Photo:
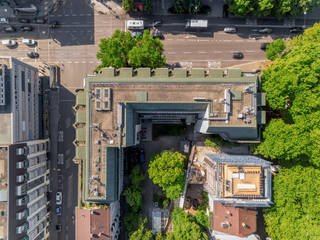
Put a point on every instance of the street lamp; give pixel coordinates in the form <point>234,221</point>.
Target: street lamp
<point>304,18</point>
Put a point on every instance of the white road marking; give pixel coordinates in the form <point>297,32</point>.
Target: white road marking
<point>202,52</point>
<point>187,52</point>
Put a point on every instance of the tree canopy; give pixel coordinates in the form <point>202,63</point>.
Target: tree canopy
<point>142,233</point>
<point>123,50</point>
<point>278,8</point>
<point>275,48</point>
<point>296,212</point>
<point>185,227</point>
<point>167,170</point>
<point>293,90</point>
<point>128,5</point>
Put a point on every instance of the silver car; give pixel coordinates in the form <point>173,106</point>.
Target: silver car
<point>265,30</point>
<point>9,43</point>
<point>230,29</point>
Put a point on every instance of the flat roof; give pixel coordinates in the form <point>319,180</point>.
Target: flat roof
<point>5,128</point>
<point>114,99</point>
<point>4,191</point>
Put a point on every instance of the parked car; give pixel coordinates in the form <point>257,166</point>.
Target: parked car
<point>264,45</point>
<point>237,55</point>
<point>33,54</point>
<point>230,29</point>
<point>58,227</point>
<point>29,42</point>
<point>195,204</point>
<point>26,28</point>
<point>265,30</point>
<point>142,158</point>
<point>156,23</point>
<point>59,198</point>
<point>157,34</point>
<point>24,20</point>
<point>188,203</point>
<point>296,29</point>
<point>54,24</point>
<point>39,20</point>
<point>59,210</point>
<point>4,20</point>
<point>59,181</point>
<point>60,159</point>
<point>9,29</point>
<point>135,34</point>
<point>9,43</point>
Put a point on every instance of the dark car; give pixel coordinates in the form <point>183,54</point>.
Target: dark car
<point>58,227</point>
<point>195,204</point>
<point>237,55</point>
<point>59,210</point>
<point>59,181</point>
<point>54,24</point>
<point>39,20</point>
<point>157,34</point>
<point>188,203</point>
<point>26,28</point>
<point>264,45</point>
<point>296,30</point>
<point>142,158</point>
<point>9,29</point>
<point>24,20</point>
<point>33,54</point>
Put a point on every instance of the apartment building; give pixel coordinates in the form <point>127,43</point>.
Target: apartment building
<point>24,166</point>
<point>117,108</point>
<point>19,101</point>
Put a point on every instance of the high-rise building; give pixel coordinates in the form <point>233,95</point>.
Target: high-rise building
<point>19,101</point>
<point>24,167</point>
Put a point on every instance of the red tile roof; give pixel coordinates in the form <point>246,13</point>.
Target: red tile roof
<point>236,221</point>
<point>92,224</point>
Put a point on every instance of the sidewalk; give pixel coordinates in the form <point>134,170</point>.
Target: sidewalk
<point>108,7</point>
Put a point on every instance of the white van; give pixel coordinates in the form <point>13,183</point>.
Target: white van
<point>9,43</point>
<point>135,24</point>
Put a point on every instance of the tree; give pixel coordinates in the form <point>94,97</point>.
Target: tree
<point>128,5</point>
<point>147,52</point>
<point>185,227</point>
<point>136,177</point>
<point>296,212</point>
<point>142,233</point>
<point>241,7</point>
<point>167,170</point>
<point>194,6</point>
<point>113,52</point>
<point>132,221</point>
<point>122,50</point>
<point>133,198</point>
<point>180,6</point>
<point>275,48</point>
<point>147,6</point>
<point>202,219</point>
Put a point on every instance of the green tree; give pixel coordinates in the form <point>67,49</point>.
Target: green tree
<point>180,6</point>
<point>136,177</point>
<point>147,6</point>
<point>185,227</point>
<point>202,218</point>
<point>132,221</point>
<point>194,6</point>
<point>142,233</point>
<point>167,170</point>
<point>147,52</point>
<point>133,198</point>
<point>128,5</point>
<point>296,212</point>
<point>275,48</point>
<point>241,7</point>
<point>113,52</point>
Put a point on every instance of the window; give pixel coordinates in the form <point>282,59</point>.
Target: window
<point>98,105</point>
<point>106,104</point>
<point>98,92</point>
<point>106,92</point>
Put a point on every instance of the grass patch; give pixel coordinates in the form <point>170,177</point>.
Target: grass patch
<point>218,142</point>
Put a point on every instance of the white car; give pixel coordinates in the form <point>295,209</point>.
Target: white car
<point>265,30</point>
<point>9,43</point>
<point>59,198</point>
<point>230,29</point>
<point>29,42</point>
